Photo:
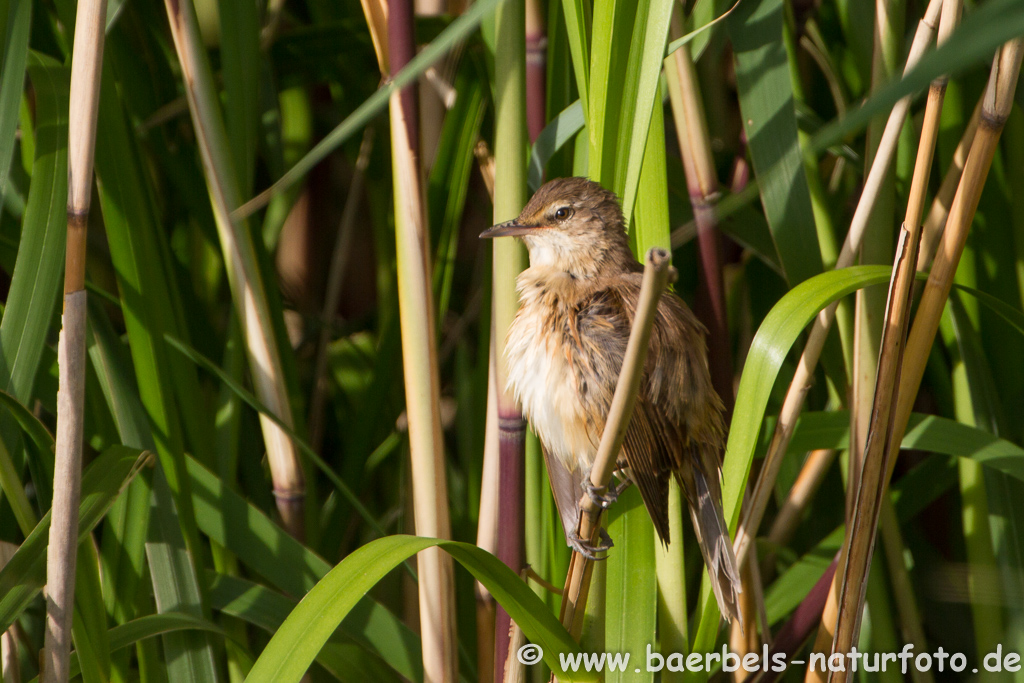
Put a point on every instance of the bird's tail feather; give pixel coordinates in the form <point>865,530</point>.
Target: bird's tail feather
<point>713,536</point>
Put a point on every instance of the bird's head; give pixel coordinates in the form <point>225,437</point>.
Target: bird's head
<point>573,225</point>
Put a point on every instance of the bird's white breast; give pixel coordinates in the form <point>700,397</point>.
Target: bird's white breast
<point>542,380</point>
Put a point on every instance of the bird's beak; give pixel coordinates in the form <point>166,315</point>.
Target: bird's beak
<point>510,228</point>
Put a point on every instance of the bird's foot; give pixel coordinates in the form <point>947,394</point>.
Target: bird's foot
<point>604,497</point>
<point>587,549</point>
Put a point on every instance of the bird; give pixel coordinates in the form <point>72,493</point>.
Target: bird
<point>564,350</point>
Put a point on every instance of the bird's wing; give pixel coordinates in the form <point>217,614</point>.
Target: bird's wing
<point>605,321</point>
<point>647,453</point>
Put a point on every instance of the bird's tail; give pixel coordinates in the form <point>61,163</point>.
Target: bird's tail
<point>705,501</point>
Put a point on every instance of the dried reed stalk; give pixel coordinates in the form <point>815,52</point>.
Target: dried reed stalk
<point>807,482</point>
<point>801,382</point>
<point>876,247</point>
<point>62,551</point>
<point>900,374</point>
<point>419,358</point>
<point>935,223</point>
<point>657,276</point>
<point>244,277</point>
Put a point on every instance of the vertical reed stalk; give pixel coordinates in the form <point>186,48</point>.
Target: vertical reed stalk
<point>510,145</point>
<point>879,435</point>
<point>419,358</point>
<point>244,276</point>
<point>935,223</point>
<point>86,66</point>
<point>894,399</point>
<point>801,382</point>
<point>877,247</point>
<point>536,69</point>
<point>702,184</point>
<point>487,522</point>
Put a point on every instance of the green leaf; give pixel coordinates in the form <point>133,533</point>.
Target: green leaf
<point>267,609</point>
<point>631,586</point>
<point>297,642</point>
<point>12,81</point>
<point>769,119</point>
<point>577,24</point>
<point>555,135</point>
<point>189,655</point>
<point>36,280</point>
<point>640,97</point>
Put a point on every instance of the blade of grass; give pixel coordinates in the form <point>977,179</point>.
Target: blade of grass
<point>297,642</point>
<point>35,281</point>
<point>769,119</point>
<point>12,81</point>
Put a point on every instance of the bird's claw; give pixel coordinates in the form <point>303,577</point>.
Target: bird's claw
<point>589,550</point>
<point>603,497</point>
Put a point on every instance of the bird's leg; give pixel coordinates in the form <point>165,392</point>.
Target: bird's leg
<point>588,550</point>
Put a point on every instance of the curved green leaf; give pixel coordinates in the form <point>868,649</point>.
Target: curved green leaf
<point>293,648</point>
<point>267,609</point>
<point>559,131</point>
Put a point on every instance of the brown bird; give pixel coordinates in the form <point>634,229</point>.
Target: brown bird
<point>565,349</point>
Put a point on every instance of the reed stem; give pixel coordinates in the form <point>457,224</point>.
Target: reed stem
<point>419,359</point>
<point>62,551</point>
<point>244,273</point>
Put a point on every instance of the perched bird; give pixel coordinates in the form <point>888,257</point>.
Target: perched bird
<point>565,349</point>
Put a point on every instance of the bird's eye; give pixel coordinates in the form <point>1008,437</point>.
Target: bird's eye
<point>563,212</point>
